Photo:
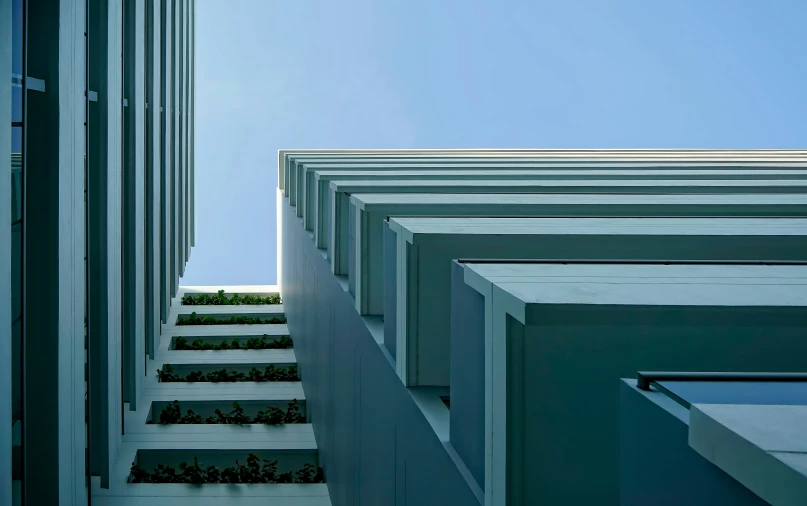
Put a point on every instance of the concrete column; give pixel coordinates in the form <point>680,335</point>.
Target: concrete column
<point>114,77</point>
<point>5,253</point>
<point>54,430</point>
<point>154,180</point>
<point>167,266</point>
<point>192,142</point>
<point>139,112</point>
<point>176,247</point>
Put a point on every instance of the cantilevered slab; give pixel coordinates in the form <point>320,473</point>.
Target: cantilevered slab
<point>763,447</point>
<point>337,200</point>
<point>293,164</point>
<point>557,338</point>
<point>315,196</point>
<point>357,250</point>
<point>416,299</point>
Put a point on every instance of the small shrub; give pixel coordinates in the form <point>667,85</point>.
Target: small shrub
<point>195,319</point>
<point>219,299</point>
<point>273,415</point>
<point>271,373</point>
<point>253,343</point>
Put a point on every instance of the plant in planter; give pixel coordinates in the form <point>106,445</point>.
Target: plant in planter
<point>194,319</point>
<point>167,375</point>
<point>171,414</point>
<point>253,343</point>
<point>271,373</point>
<point>309,474</point>
<point>293,414</point>
<point>219,299</point>
<point>272,416</point>
<point>255,470</point>
<point>236,416</point>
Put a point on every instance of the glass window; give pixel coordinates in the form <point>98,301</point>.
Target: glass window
<point>16,174</point>
<point>16,271</point>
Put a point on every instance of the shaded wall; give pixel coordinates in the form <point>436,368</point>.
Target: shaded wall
<point>656,464</point>
<point>376,447</point>
<point>468,373</point>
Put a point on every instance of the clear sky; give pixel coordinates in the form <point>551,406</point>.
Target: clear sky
<point>277,74</point>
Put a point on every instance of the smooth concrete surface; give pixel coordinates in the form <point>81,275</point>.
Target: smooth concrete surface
<point>421,260</point>
<point>363,234</point>
<point>467,373</point>
<point>316,207</point>
<point>336,201</point>
<point>376,444</point>
<point>292,163</point>
<point>764,447</point>
<point>657,467</point>
<point>558,337</point>
<point>9,399</point>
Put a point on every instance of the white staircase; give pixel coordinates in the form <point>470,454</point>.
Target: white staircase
<point>150,443</point>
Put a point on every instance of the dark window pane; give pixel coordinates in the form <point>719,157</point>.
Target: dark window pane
<point>16,102</point>
<point>16,174</point>
<point>16,270</point>
<point>16,38</point>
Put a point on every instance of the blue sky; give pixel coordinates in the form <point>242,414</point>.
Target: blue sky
<point>464,73</point>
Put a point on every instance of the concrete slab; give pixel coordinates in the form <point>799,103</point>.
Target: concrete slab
<point>416,299</point>
<point>558,338</point>
<point>362,233</point>
<point>315,197</point>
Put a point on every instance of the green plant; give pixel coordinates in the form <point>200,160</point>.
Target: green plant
<point>167,375</point>
<point>253,343</point>
<point>219,299</point>
<point>271,373</point>
<point>293,414</point>
<point>309,474</point>
<point>172,414</point>
<point>272,416</point>
<point>236,416</point>
<point>194,319</point>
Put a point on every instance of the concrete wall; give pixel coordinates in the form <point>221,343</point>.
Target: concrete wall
<point>468,373</point>
<point>657,467</point>
<point>390,289</point>
<point>566,374</point>
<point>376,446</point>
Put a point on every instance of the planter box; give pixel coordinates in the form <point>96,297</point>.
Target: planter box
<point>357,251</point>
<point>417,268</point>
<point>287,460</point>
<point>660,431</point>
<point>208,407</point>
<point>558,338</point>
<point>317,201</point>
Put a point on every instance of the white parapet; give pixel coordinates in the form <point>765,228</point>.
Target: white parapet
<point>424,247</point>
<point>558,337</point>
<point>356,252</point>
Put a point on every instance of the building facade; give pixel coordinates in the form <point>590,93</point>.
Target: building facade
<point>97,219</point>
<point>464,319</point>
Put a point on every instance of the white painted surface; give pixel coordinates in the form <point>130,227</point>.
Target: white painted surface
<point>187,439</point>
<point>510,288</point>
<point>631,284</point>
<point>613,226</point>
<point>762,447</point>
